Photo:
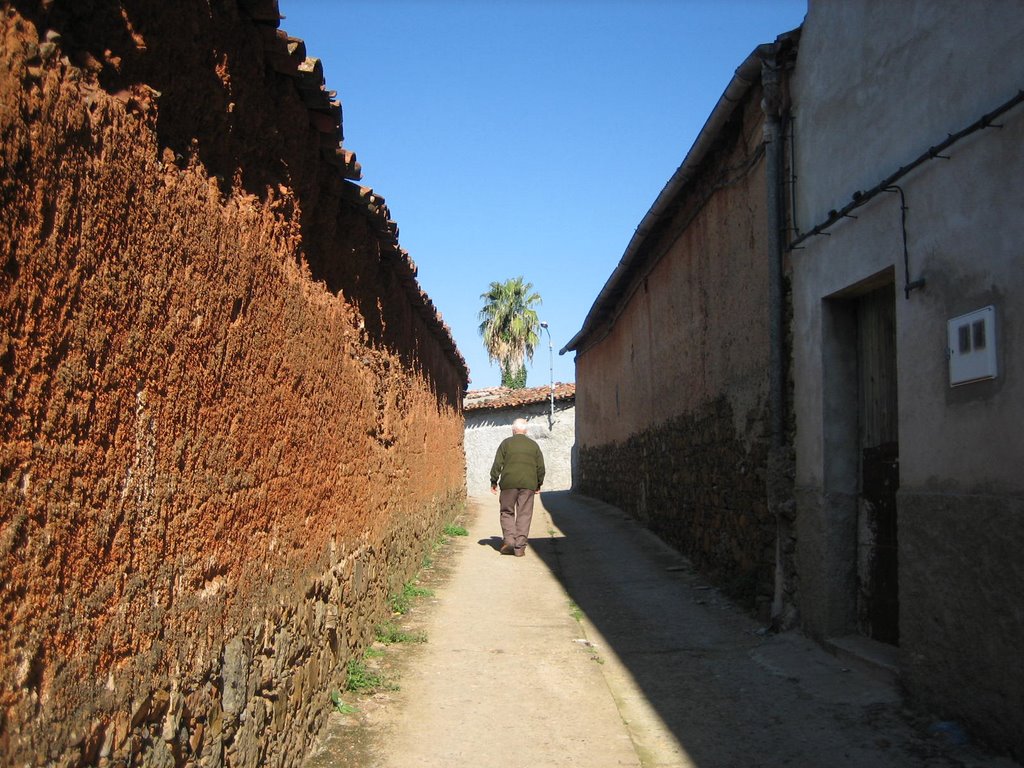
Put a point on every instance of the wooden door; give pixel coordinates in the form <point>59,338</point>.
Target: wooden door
<point>877,556</point>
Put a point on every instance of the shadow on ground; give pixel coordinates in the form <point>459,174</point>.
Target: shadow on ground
<point>729,693</point>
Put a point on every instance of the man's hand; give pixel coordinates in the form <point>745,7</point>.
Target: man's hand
<point>494,490</point>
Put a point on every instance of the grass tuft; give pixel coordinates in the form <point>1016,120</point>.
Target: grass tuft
<point>455,530</point>
<point>402,602</point>
<point>575,611</point>
<point>362,680</point>
<point>390,633</point>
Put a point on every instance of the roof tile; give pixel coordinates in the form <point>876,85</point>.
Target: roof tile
<point>495,398</point>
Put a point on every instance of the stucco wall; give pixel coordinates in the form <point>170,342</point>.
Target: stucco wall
<point>486,428</point>
<point>672,399</point>
<point>215,462</point>
<point>696,323</point>
<point>875,86</point>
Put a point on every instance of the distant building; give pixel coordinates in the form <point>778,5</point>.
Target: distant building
<point>489,417</point>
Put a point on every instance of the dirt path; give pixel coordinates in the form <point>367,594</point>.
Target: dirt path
<point>601,648</point>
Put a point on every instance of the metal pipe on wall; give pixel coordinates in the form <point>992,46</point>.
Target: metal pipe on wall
<point>773,107</point>
<point>774,170</point>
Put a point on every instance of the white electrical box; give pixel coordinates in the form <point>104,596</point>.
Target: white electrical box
<point>972,347</point>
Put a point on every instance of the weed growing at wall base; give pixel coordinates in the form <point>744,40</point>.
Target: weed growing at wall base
<point>402,602</point>
<point>449,530</point>
<point>390,633</point>
<point>575,611</point>
<point>362,680</point>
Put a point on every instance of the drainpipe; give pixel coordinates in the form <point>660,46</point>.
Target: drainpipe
<point>773,108</point>
<point>771,103</point>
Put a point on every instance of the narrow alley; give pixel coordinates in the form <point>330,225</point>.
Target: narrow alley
<point>779,250</point>
<point>603,648</point>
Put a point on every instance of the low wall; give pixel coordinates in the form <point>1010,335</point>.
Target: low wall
<point>486,428</point>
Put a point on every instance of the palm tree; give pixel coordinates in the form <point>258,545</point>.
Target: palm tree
<point>509,326</point>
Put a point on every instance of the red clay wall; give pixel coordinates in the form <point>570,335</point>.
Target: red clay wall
<point>230,426</point>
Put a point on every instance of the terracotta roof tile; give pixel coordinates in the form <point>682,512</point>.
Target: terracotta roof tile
<point>495,398</point>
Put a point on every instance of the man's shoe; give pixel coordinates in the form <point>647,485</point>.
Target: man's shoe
<point>520,552</point>
<point>506,549</point>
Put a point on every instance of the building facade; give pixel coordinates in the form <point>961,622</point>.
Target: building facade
<point>679,362</point>
<point>805,372</point>
<point>907,282</point>
<point>552,423</point>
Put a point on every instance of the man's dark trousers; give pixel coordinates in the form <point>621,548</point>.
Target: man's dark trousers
<point>516,515</point>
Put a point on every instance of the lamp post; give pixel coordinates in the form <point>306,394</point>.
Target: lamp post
<point>551,353</point>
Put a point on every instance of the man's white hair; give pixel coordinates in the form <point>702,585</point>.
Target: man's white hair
<point>520,425</point>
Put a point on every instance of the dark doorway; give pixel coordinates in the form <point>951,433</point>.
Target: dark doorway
<point>877,550</point>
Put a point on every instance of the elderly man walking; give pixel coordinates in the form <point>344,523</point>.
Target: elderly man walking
<point>519,470</point>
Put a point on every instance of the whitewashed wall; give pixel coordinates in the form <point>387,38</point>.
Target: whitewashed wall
<point>486,428</point>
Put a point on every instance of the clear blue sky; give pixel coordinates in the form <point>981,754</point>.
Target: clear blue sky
<point>521,137</point>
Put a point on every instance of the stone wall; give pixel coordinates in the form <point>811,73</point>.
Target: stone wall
<point>701,488</point>
<point>230,427</point>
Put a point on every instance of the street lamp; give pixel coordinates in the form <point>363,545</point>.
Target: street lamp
<point>551,352</point>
